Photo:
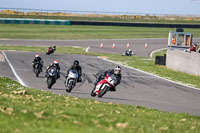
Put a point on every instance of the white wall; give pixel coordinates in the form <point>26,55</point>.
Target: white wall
<point>183,61</point>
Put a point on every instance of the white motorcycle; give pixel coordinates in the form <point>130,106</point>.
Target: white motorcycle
<point>71,80</point>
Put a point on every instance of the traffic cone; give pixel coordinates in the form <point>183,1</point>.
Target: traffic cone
<point>113,45</point>
<point>101,45</point>
<point>145,45</point>
<point>128,45</point>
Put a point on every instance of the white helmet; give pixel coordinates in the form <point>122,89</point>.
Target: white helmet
<point>56,62</point>
<point>37,55</point>
<point>117,70</point>
<point>129,50</point>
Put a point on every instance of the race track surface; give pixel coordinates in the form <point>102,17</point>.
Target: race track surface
<point>136,88</point>
<point>137,45</point>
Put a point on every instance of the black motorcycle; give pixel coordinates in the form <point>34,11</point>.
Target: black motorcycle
<point>127,53</point>
<point>51,77</point>
<point>37,68</point>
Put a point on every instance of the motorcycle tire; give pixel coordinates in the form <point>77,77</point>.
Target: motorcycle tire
<point>37,72</point>
<point>92,92</point>
<point>69,87</point>
<point>103,91</point>
<point>50,82</point>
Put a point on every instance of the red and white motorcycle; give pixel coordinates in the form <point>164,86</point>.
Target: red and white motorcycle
<point>104,85</point>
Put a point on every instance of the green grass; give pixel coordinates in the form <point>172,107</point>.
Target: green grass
<point>54,32</point>
<point>27,110</point>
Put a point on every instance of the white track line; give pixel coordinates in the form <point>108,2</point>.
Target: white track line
<point>156,51</point>
<point>87,49</point>
<point>13,70</point>
<point>189,86</point>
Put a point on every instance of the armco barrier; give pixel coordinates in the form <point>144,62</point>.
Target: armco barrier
<point>95,23</point>
<point>157,25</point>
<point>33,21</point>
<point>183,61</point>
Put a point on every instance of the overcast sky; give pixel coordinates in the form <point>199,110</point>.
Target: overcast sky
<point>132,6</point>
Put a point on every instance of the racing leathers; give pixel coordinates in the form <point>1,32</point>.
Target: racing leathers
<point>78,69</point>
<point>37,59</point>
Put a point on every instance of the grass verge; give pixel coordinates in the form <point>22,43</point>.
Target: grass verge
<point>54,32</point>
<point>25,110</point>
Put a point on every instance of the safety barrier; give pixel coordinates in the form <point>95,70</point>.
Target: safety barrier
<point>183,61</point>
<point>33,21</point>
<point>156,25</point>
<point>95,23</point>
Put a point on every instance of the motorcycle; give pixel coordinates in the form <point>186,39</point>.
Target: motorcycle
<point>37,68</point>
<point>71,80</point>
<point>51,77</point>
<point>50,51</point>
<point>126,53</point>
<point>104,85</point>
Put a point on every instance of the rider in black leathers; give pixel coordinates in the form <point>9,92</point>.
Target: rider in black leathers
<point>52,49</point>
<point>76,67</point>
<point>117,73</point>
<point>55,64</point>
<point>37,59</point>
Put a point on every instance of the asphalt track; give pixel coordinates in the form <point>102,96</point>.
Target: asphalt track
<point>136,88</point>
<point>137,45</point>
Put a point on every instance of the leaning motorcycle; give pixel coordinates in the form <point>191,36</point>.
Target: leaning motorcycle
<point>126,53</point>
<point>37,68</point>
<point>50,51</point>
<point>104,85</point>
<point>51,77</point>
<point>71,80</point>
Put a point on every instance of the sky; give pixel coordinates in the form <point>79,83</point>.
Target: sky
<point>189,7</point>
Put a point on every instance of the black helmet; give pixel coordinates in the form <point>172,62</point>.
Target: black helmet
<point>76,63</point>
<point>117,70</point>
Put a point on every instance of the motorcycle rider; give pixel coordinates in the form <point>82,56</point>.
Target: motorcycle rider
<point>52,49</point>
<point>117,73</point>
<point>76,67</point>
<point>54,64</point>
<point>37,59</point>
<point>130,52</point>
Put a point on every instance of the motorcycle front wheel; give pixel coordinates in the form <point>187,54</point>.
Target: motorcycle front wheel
<point>103,91</point>
<point>37,72</point>
<point>69,87</point>
<point>50,82</point>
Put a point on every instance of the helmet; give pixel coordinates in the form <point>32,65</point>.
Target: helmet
<point>37,55</point>
<point>129,50</point>
<point>76,63</point>
<point>54,46</point>
<point>117,70</point>
<point>56,62</point>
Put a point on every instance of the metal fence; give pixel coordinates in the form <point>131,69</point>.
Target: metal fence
<point>93,14</point>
